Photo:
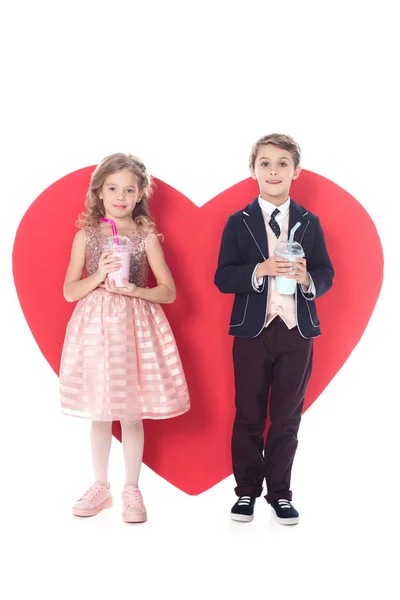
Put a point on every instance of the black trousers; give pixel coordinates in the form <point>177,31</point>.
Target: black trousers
<point>272,369</point>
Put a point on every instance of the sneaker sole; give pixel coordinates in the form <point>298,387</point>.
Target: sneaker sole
<point>242,518</point>
<point>134,518</point>
<point>292,521</point>
<point>91,512</point>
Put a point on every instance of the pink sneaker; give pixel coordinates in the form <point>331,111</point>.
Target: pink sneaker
<point>93,501</point>
<point>133,511</point>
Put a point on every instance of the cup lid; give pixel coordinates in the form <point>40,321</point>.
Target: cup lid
<point>295,249</point>
<point>122,241</point>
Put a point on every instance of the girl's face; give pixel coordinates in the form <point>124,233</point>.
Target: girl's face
<point>120,193</point>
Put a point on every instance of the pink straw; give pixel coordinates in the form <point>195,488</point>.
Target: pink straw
<point>114,229</point>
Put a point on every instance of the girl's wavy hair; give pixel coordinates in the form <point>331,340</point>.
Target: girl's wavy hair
<point>109,165</point>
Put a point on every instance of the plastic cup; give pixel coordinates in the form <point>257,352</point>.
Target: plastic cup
<point>122,251</point>
<point>292,252</point>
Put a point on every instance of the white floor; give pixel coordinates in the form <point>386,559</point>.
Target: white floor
<point>344,547</point>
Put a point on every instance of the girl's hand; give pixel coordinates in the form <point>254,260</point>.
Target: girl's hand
<point>129,289</point>
<point>107,264</point>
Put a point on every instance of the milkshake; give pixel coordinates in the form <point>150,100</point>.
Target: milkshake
<point>122,251</point>
<point>292,252</point>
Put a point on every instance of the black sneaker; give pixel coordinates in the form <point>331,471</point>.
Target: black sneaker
<point>286,514</point>
<point>243,510</point>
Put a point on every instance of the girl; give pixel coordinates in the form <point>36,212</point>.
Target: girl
<point>119,360</point>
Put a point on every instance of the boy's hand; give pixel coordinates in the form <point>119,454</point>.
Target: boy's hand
<point>299,272</point>
<point>273,266</point>
<point>276,265</point>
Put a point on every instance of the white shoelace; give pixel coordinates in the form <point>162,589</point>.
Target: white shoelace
<point>244,500</point>
<point>283,503</point>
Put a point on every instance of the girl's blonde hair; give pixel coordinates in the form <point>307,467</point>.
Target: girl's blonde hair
<point>109,165</point>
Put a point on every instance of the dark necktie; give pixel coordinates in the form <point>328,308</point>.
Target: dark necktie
<point>273,224</point>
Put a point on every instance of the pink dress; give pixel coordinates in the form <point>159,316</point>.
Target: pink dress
<point>120,361</point>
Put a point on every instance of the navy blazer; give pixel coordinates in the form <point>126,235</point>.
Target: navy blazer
<point>244,244</point>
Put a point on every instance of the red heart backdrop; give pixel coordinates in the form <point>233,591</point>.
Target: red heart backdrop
<point>193,451</point>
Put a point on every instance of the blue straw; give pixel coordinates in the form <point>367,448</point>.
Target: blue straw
<point>292,232</point>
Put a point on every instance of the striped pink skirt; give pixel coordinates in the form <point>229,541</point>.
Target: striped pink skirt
<point>120,361</point>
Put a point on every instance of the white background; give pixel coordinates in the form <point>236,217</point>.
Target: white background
<point>190,86</point>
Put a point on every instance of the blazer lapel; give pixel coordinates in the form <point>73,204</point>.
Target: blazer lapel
<point>254,221</point>
<point>297,214</point>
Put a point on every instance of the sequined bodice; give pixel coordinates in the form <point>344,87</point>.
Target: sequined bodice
<point>95,239</point>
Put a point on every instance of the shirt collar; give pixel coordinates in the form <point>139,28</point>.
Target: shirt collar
<point>269,208</point>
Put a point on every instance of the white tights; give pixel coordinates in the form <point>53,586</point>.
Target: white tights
<point>132,445</point>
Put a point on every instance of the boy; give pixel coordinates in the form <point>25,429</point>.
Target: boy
<point>272,348</point>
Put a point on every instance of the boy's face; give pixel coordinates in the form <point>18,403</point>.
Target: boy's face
<point>274,170</point>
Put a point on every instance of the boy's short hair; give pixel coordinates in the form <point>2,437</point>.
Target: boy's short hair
<point>279,140</point>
